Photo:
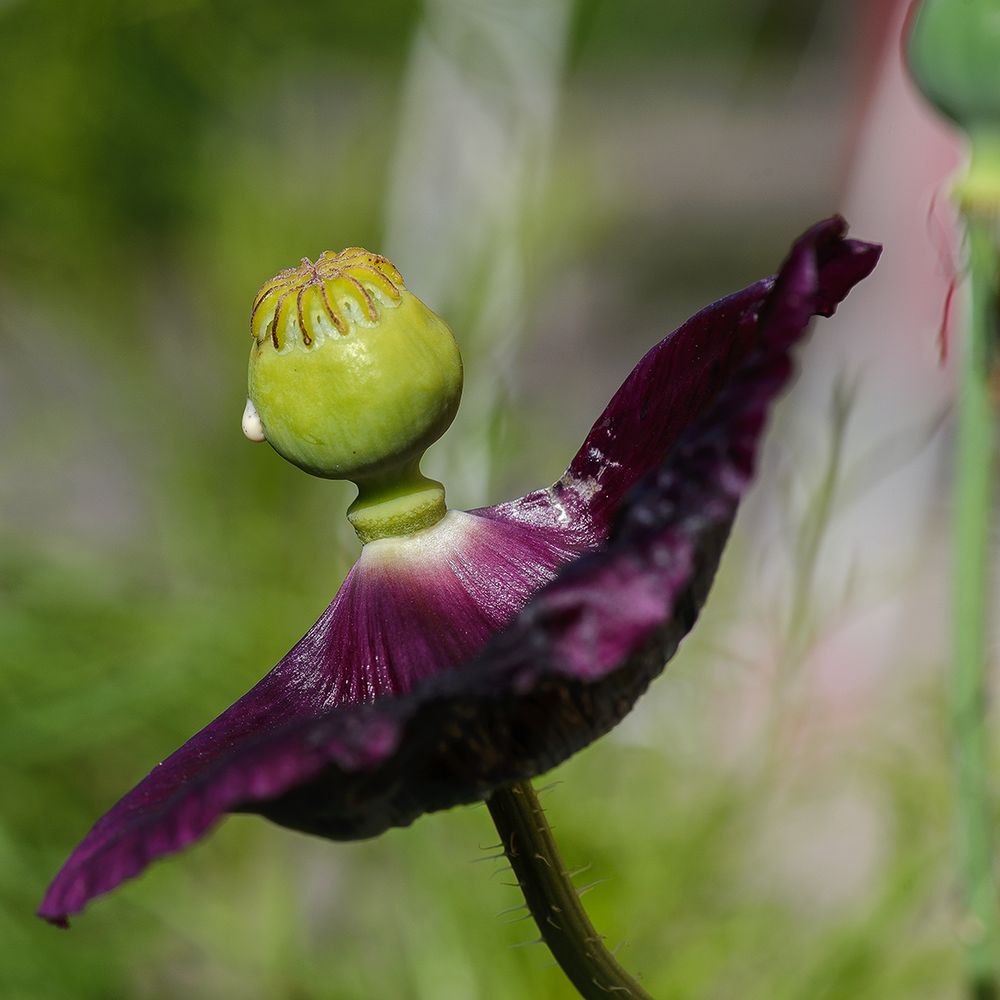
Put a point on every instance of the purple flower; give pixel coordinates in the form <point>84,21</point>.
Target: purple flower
<point>491,646</point>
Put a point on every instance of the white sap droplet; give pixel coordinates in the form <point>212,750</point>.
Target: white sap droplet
<point>252,427</point>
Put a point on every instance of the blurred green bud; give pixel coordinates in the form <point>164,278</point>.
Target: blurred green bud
<point>353,377</point>
<point>954,56</point>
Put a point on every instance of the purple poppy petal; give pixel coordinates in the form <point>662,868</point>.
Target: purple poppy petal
<point>403,613</point>
<point>674,384</point>
<point>300,749</point>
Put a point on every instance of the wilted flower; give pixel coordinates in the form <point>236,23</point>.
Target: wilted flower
<point>468,650</point>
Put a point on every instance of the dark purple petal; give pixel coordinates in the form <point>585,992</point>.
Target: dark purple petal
<point>404,613</point>
<point>679,378</point>
<point>653,491</point>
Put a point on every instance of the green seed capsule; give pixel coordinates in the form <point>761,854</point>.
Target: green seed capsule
<point>350,374</point>
<point>353,377</point>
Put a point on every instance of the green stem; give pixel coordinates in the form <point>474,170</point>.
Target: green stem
<point>553,899</point>
<point>974,476</point>
<point>396,502</point>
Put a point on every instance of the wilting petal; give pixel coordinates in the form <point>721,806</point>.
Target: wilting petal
<point>408,609</point>
<point>651,494</point>
<point>679,378</point>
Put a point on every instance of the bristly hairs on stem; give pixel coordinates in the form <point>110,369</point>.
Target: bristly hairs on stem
<point>552,898</point>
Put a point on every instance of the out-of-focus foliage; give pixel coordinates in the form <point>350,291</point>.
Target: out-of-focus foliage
<point>157,161</point>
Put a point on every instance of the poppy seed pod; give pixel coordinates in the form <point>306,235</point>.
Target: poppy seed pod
<point>353,377</point>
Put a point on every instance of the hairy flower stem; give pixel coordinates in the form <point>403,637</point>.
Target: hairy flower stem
<point>552,898</point>
<point>974,477</point>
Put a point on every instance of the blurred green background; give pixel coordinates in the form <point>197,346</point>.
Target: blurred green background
<point>564,182</point>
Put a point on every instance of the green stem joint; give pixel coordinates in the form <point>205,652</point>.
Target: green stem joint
<point>399,503</point>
